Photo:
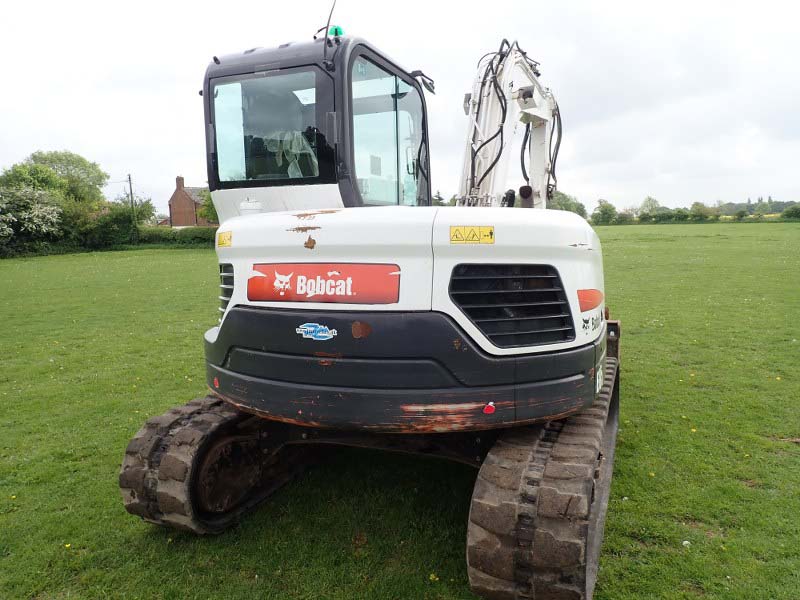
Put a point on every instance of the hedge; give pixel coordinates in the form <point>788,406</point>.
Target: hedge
<point>194,236</point>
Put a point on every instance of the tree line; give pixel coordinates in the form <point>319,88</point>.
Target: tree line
<point>650,211</point>
<point>54,201</point>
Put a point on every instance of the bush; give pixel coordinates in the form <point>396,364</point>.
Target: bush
<point>680,214</point>
<point>156,235</point>
<point>740,215</point>
<point>113,227</point>
<point>793,212</point>
<point>197,236</point>
<point>664,215</point>
<point>645,218</point>
<point>623,218</point>
<point>29,220</point>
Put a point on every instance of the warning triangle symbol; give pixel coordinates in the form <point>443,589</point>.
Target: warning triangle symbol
<point>472,236</point>
<point>456,237</point>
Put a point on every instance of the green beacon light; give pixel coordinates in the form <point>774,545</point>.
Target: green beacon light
<point>336,31</point>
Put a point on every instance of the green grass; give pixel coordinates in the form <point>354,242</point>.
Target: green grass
<point>93,344</point>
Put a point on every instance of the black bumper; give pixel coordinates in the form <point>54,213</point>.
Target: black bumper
<point>389,371</point>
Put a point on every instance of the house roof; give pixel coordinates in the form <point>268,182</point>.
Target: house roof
<point>194,192</point>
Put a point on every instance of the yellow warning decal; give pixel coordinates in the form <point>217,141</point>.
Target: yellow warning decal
<point>472,234</point>
<point>224,239</point>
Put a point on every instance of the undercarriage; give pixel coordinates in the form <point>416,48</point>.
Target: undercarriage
<point>538,506</point>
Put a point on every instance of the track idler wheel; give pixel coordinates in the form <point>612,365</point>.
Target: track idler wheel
<point>539,505</point>
<point>201,466</point>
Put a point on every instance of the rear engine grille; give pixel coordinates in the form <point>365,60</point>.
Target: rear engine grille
<point>514,305</point>
<point>225,287</point>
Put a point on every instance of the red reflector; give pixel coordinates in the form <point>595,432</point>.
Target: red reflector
<point>589,299</point>
<point>489,409</point>
<point>216,382</point>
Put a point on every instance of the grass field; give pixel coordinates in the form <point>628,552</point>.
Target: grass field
<point>706,494</point>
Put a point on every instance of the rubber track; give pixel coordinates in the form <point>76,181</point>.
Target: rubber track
<point>156,474</point>
<point>534,516</point>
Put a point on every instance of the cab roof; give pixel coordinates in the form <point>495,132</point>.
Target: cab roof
<point>291,54</point>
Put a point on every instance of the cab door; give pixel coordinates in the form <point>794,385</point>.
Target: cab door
<point>387,133</point>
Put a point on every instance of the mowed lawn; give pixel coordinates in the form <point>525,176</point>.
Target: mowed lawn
<point>706,494</point>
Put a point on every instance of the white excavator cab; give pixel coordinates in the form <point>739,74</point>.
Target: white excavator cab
<point>295,127</point>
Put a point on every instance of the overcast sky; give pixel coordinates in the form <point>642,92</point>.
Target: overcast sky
<point>683,101</point>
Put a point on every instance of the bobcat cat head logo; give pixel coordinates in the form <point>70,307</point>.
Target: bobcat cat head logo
<point>283,282</point>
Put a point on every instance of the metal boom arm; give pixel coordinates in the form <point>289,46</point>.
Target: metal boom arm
<point>507,98</point>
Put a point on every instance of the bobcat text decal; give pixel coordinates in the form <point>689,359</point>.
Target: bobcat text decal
<point>324,282</point>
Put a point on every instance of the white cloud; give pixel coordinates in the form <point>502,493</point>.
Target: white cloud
<point>683,100</point>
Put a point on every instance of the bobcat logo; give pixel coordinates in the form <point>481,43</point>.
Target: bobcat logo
<point>283,282</point>
<point>592,323</point>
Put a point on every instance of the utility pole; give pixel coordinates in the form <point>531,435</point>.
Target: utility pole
<point>134,228</point>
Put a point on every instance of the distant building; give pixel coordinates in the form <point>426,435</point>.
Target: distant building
<point>184,206</point>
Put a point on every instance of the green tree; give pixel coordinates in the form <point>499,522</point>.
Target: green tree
<point>741,214</point>
<point>604,214</point>
<point>680,214</point>
<point>207,210</point>
<point>624,217</point>
<point>143,209</point>
<point>34,177</point>
<point>663,215</point>
<point>438,199</point>
<point>562,201</point>
<point>84,179</point>
<point>699,212</point>
<point>650,206</point>
<point>793,212</point>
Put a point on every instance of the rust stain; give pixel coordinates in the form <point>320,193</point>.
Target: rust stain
<point>328,354</point>
<point>303,228</point>
<point>360,329</point>
<point>453,409</point>
<point>313,213</point>
<point>325,362</point>
<point>457,344</point>
<point>310,243</point>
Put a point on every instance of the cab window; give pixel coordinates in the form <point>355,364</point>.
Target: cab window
<point>389,145</point>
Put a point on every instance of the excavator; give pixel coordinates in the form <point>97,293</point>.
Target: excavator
<point>356,311</point>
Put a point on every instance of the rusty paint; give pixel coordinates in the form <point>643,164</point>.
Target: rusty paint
<point>310,243</point>
<point>325,362</point>
<point>328,354</point>
<point>360,329</point>
<point>457,343</point>
<point>303,229</point>
<point>454,409</point>
<point>313,213</point>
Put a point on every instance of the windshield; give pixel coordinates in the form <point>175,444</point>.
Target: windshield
<point>268,128</point>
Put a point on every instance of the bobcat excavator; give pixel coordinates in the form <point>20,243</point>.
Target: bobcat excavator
<point>355,312</point>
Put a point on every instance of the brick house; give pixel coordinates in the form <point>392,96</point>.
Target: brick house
<point>184,206</point>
